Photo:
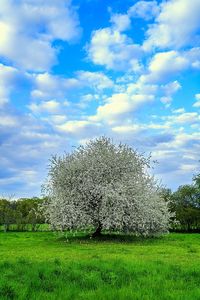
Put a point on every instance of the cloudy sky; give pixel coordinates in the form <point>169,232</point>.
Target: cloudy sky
<point>74,70</point>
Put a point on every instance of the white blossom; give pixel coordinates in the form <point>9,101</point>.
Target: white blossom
<point>105,186</point>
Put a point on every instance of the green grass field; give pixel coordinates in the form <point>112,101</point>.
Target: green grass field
<point>40,265</point>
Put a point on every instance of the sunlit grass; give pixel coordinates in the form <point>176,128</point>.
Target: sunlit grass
<point>43,266</point>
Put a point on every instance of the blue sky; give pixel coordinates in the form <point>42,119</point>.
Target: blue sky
<point>71,71</point>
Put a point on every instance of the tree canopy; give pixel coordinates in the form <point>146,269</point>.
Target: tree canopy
<point>105,186</point>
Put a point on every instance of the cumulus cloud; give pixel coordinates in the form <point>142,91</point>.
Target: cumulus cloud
<point>96,80</point>
<point>114,50</point>
<point>177,25</point>
<point>47,86</point>
<point>118,105</point>
<point>164,65</point>
<point>197,103</point>
<point>146,85</point>
<point>171,87</point>
<point>51,107</point>
<point>169,90</point>
<point>181,117</point>
<point>29,28</point>
<point>128,129</point>
<point>81,129</point>
<point>179,110</point>
<point>146,10</point>
<point>167,65</point>
<point>86,100</point>
<point>121,22</point>
<point>190,117</point>
<point>140,86</point>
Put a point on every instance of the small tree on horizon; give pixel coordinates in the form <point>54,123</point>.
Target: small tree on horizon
<point>105,186</point>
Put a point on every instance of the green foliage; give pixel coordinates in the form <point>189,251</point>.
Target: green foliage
<point>7,213</point>
<point>186,203</point>
<point>24,213</point>
<point>41,266</point>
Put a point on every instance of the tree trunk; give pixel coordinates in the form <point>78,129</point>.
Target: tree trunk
<point>98,231</point>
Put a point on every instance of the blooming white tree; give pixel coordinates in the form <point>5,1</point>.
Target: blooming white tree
<point>105,186</point>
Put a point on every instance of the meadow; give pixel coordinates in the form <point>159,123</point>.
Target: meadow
<point>42,265</point>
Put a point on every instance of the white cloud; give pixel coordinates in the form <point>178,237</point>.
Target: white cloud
<point>8,121</point>
<point>176,26</point>
<point>144,9</point>
<point>48,86</point>
<point>188,167</point>
<point>166,100</point>
<point>147,84</point>
<point>127,129</point>
<point>171,87</point>
<point>120,22</point>
<point>118,105</point>
<point>197,103</point>
<point>185,139</point>
<point>197,97</point>
<point>80,128</point>
<point>96,80</point>
<point>87,99</point>
<point>179,110</point>
<point>29,28</point>
<point>193,55</point>
<point>51,107</point>
<point>187,117</point>
<point>58,119</point>
<point>182,155</point>
<point>141,87</point>
<point>158,126</point>
<point>114,50</point>
<point>164,65</point>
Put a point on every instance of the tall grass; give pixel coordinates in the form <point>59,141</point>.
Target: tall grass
<point>41,266</point>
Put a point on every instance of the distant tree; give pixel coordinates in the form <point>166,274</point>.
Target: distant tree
<point>106,186</point>
<point>196,180</point>
<point>28,212</point>
<point>168,197</point>
<point>186,204</point>
<point>7,213</point>
<point>188,195</point>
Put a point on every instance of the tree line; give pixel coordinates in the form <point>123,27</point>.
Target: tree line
<point>185,202</point>
<point>25,214</point>
<point>21,215</point>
